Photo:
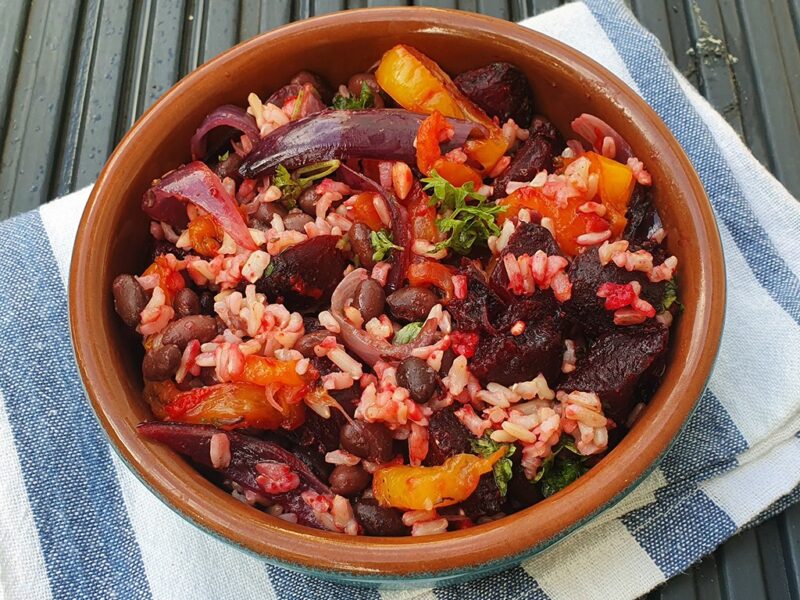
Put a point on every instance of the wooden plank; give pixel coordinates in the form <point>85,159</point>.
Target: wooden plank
<point>37,105</point>
<point>773,562</point>
<point>494,9</point>
<point>706,578</point>
<point>790,547</point>
<point>680,587</point>
<point>653,15</point>
<point>739,583</point>
<point>257,16</point>
<point>774,96</point>
<point>88,131</point>
<point>322,7</point>
<point>12,30</point>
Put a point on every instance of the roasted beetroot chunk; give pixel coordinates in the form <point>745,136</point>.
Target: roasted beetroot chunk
<point>528,238</point>
<point>486,500</point>
<point>642,216</point>
<point>474,312</point>
<point>447,437</point>
<point>301,277</point>
<point>534,155</point>
<point>587,275</point>
<point>507,358</point>
<point>616,363</point>
<point>194,441</point>
<point>501,90</point>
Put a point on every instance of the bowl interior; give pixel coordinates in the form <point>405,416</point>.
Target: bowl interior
<point>114,236</point>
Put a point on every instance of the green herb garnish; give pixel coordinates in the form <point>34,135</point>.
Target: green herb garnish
<point>383,244</point>
<point>223,157</point>
<point>671,295</point>
<point>467,223</point>
<point>559,470</point>
<point>486,446</point>
<point>408,333</point>
<point>364,100</point>
<point>292,185</point>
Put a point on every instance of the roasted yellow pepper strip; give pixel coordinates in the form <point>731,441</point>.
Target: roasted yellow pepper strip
<point>426,488</point>
<point>418,84</point>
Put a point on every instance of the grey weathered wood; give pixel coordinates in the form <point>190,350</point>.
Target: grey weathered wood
<point>742,583</point>
<point>773,563</point>
<point>12,31</point>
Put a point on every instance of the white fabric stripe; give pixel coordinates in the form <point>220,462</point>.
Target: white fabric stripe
<point>23,573</point>
<point>425,594</point>
<point>60,220</point>
<point>759,480</point>
<point>758,354</point>
<point>779,213</point>
<point>180,560</point>
<point>574,25</point>
<point>610,564</point>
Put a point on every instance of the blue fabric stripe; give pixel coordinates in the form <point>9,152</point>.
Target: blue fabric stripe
<point>89,547</point>
<point>514,584</point>
<point>707,446</point>
<point>290,585</point>
<point>680,527</point>
<point>652,72</point>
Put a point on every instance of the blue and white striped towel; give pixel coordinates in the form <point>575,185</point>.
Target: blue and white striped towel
<point>75,523</point>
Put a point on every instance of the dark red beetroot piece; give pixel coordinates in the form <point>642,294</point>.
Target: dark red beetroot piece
<point>616,363</point>
<point>301,277</point>
<point>501,90</point>
<point>535,154</point>
<point>446,437</point>
<point>587,275</point>
<point>642,216</point>
<point>528,238</point>
<point>246,452</point>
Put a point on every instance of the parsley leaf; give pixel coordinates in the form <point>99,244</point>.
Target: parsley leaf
<point>467,223</point>
<point>486,446</point>
<point>223,157</point>
<point>408,333</point>
<point>364,100</point>
<point>671,295</point>
<point>382,244</point>
<point>292,185</point>
<point>561,473</point>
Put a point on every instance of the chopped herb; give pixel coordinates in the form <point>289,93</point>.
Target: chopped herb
<point>466,223</point>
<point>486,446</point>
<point>408,333</point>
<point>671,295</point>
<point>223,157</point>
<point>382,244</point>
<point>292,185</point>
<point>270,268</point>
<point>364,100</point>
<point>559,470</point>
<point>561,473</point>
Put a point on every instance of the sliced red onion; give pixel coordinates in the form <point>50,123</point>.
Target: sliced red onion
<point>246,452</point>
<point>401,226</point>
<point>368,348</point>
<point>386,133</point>
<point>227,115</point>
<point>198,184</point>
<point>594,130</point>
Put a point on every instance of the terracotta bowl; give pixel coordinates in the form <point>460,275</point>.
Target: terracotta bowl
<point>113,235</point>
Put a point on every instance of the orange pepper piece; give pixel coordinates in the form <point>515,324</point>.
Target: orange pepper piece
<point>227,405</point>
<point>205,235</point>
<point>429,155</point>
<point>418,84</point>
<point>615,188</point>
<point>429,272</point>
<point>567,221</point>
<point>426,488</point>
<point>264,371</point>
<point>169,280</point>
<point>364,212</point>
<point>422,215</point>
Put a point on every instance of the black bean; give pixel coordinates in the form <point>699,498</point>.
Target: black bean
<point>305,345</point>
<point>308,201</point>
<point>190,383</point>
<point>348,480</point>
<point>412,303</point>
<point>183,331</point>
<point>369,298</point>
<point>417,377</point>
<point>372,441</point>
<point>361,244</point>
<point>266,210</point>
<point>161,363</point>
<point>377,520</point>
<point>296,221</point>
<point>186,303</point>
<point>129,299</point>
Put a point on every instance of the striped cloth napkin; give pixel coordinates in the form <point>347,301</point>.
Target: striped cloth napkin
<point>75,523</point>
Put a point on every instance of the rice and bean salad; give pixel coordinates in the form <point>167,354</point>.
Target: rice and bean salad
<point>401,307</point>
